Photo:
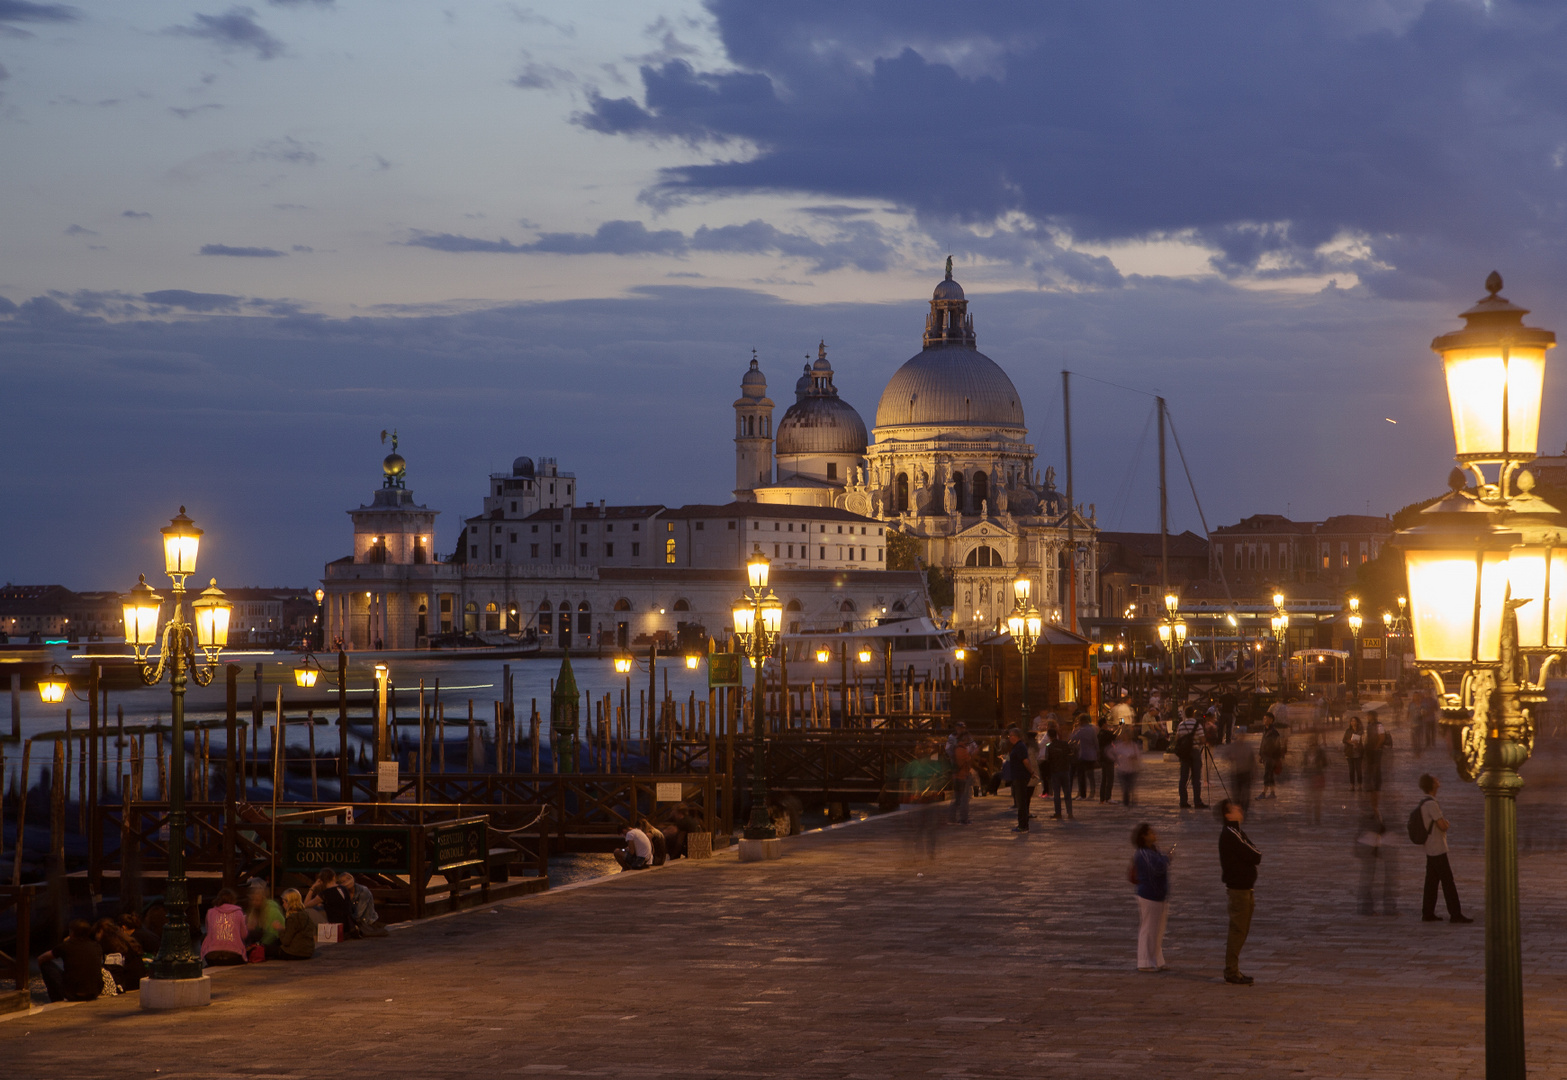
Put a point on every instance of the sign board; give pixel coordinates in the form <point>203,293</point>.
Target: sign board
<point>377,849</point>
<point>386,778</point>
<point>459,843</point>
<point>723,669</point>
<point>668,792</point>
<point>1371,654</point>
<point>1371,643</point>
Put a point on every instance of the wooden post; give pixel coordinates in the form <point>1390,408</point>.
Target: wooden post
<point>343,790</point>
<point>533,734</point>
<point>468,765</point>
<point>21,814</point>
<point>256,707</point>
<point>423,747</point>
<point>310,721</point>
<point>90,801</point>
<point>230,780</point>
<point>57,795</point>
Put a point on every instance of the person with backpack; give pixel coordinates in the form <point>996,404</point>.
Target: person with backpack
<point>1428,828</point>
<point>1150,872</point>
<point>1060,759</point>
<point>1238,860</point>
<point>1188,751</point>
<point>1021,770</point>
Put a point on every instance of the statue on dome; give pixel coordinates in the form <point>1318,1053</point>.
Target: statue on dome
<point>1050,477</point>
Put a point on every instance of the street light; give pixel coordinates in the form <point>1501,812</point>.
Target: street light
<point>1172,635</point>
<point>1024,624</point>
<point>758,619</point>
<point>823,654</point>
<point>52,687</point>
<point>1355,623</point>
<point>175,978</point>
<point>1280,622</point>
<point>1471,566</point>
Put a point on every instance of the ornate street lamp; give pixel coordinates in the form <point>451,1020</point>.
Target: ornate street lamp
<point>1355,623</point>
<point>1172,635</point>
<point>1280,622</point>
<point>1481,571</point>
<point>175,978</point>
<point>758,619</point>
<point>52,687</point>
<point>1025,625</point>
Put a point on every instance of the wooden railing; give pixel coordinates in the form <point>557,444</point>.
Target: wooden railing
<point>20,899</point>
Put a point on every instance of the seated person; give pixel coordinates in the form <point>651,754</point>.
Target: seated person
<point>363,903</point>
<point>263,920</point>
<point>297,940</point>
<point>326,902</point>
<point>122,957</point>
<point>224,942</point>
<point>149,934</point>
<point>73,970</point>
<point>638,852</point>
<point>681,825</point>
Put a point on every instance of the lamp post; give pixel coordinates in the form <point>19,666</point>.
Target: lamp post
<point>1281,629</point>
<point>1025,625</point>
<point>1355,623</point>
<point>758,618</point>
<point>175,978</point>
<point>1172,634</point>
<point>1481,569</point>
<point>1395,626</point>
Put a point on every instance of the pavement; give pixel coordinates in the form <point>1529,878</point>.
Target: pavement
<point>899,947</point>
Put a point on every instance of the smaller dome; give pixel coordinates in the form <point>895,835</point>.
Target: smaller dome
<point>394,465</point>
<point>753,384</point>
<point>947,290</point>
<point>802,385</point>
<point>523,466</point>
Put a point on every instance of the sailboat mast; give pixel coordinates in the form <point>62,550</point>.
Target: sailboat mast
<point>1164,512</point>
<point>1071,508</point>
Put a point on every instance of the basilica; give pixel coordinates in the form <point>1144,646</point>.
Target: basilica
<point>944,485</point>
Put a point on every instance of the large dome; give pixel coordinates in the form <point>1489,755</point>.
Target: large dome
<point>821,425</point>
<point>950,386</point>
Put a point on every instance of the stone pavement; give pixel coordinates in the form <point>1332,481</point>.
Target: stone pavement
<point>865,953</point>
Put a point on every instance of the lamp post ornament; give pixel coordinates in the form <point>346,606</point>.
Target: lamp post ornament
<point>1172,634</point>
<point>1481,569</point>
<point>758,619</point>
<point>1025,624</point>
<point>208,630</point>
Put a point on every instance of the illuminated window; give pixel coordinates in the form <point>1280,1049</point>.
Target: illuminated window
<point>669,550</point>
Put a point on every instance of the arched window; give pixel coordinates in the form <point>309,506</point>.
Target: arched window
<point>847,605</point>
<point>565,624</point>
<point>983,556</point>
<point>585,618</point>
<point>546,618</point>
<point>900,493</point>
<point>981,490</point>
<point>957,494</point>
<point>492,616</point>
<point>682,604</point>
<point>669,550</point>
<point>793,605</point>
<point>470,618</point>
<point>622,604</point>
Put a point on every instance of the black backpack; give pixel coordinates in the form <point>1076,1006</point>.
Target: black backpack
<point>1418,832</point>
<point>1185,743</point>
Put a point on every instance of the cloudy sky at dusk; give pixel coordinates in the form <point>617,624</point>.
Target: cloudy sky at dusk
<point>238,241</point>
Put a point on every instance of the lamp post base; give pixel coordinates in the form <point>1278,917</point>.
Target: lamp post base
<point>176,993</point>
<point>760,850</point>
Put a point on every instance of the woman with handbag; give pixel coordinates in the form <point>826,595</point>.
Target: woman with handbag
<point>1150,872</point>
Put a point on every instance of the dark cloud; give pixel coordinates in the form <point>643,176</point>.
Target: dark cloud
<point>6,306</point>
<point>1434,133</point>
<point>193,301</point>
<point>193,110</point>
<point>134,214</point>
<point>302,248</point>
<point>856,244</point>
<point>21,11</point>
<point>78,230</point>
<point>241,252</point>
<point>302,3</point>
<point>236,28</point>
<point>288,150</point>
<point>536,76</point>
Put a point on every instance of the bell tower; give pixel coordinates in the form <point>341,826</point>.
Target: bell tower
<point>753,434</point>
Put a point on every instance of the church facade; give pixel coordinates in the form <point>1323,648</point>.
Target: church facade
<point>947,464</point>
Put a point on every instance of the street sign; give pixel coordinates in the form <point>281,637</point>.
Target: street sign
<point>459,843</point>
<point>378,849</point>
<point>668,792</point>
<point>723,669</point>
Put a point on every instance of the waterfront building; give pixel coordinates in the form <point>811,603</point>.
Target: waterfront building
<point>1267,550</point>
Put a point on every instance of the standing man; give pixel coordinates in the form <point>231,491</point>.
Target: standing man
<point>1188,750</point>
<point>1377,741</point>
<point>1106,736</point>
<point>1238,859</point>
<point>1227,704</point>
<point>1060,757</point>
<point>1086,737</point>
<point>962,750</point>
<point>1021,769</point>
<point>1438,870</point>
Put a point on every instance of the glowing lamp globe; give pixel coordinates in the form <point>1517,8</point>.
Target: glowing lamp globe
<point>623,665</point>
<point>305,676</point>
<point>1495,368</point>
<point>1034,624</point>
<point>1015,625</point>
<point>1457,567</point>
<point>745,619</point>
<point>864,656</point>
<point>823,655</point>
<point>756,570</point>
<point>1164,632</point>
<point>181,539</point>
<point>1020,589</point>
<point>140,607</point>
<point>692,660</point>
<point>52,688</point>
<point>772,616</point>
<point>212,611</point>
<point>959,654</point>
<point>1180,633</point>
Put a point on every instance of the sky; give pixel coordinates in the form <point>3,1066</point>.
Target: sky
<point>239,241</point>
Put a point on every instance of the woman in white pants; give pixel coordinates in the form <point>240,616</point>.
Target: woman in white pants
<point>1150,872</point>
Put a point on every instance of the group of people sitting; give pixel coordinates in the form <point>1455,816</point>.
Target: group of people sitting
<point>111,956</point>
<point>652,845</point>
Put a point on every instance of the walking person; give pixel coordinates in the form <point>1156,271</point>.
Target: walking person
<point>1273,748</point>
<point>1060,759</point>
<point>1021,770</point>
<point>1238,859</point>
<point>963,750</point>
<point>1150,872</point>
<point>1106,739</point>
<point>1377,742</point>
<point>1086,738</point>
<point>1315,767</point>
<point>1227,704</point>
<point>1438,870</point>
<point>1375,853</point>
<point>1354,751</point>
<point>1188,750</point>
<point>1127,755</point>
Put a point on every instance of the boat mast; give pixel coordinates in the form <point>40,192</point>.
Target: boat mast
<point>1071,508</point>
<point>1164,514</point>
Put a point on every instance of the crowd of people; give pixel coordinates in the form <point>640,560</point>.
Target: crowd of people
<point>111,956</point>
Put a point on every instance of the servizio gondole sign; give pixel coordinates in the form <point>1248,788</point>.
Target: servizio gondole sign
<point>383,849</point>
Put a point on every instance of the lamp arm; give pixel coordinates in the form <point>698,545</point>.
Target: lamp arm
<point>152,675</point>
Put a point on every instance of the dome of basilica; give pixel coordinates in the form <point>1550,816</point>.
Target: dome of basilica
<point>950,386</point>
<point>819,421</point>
